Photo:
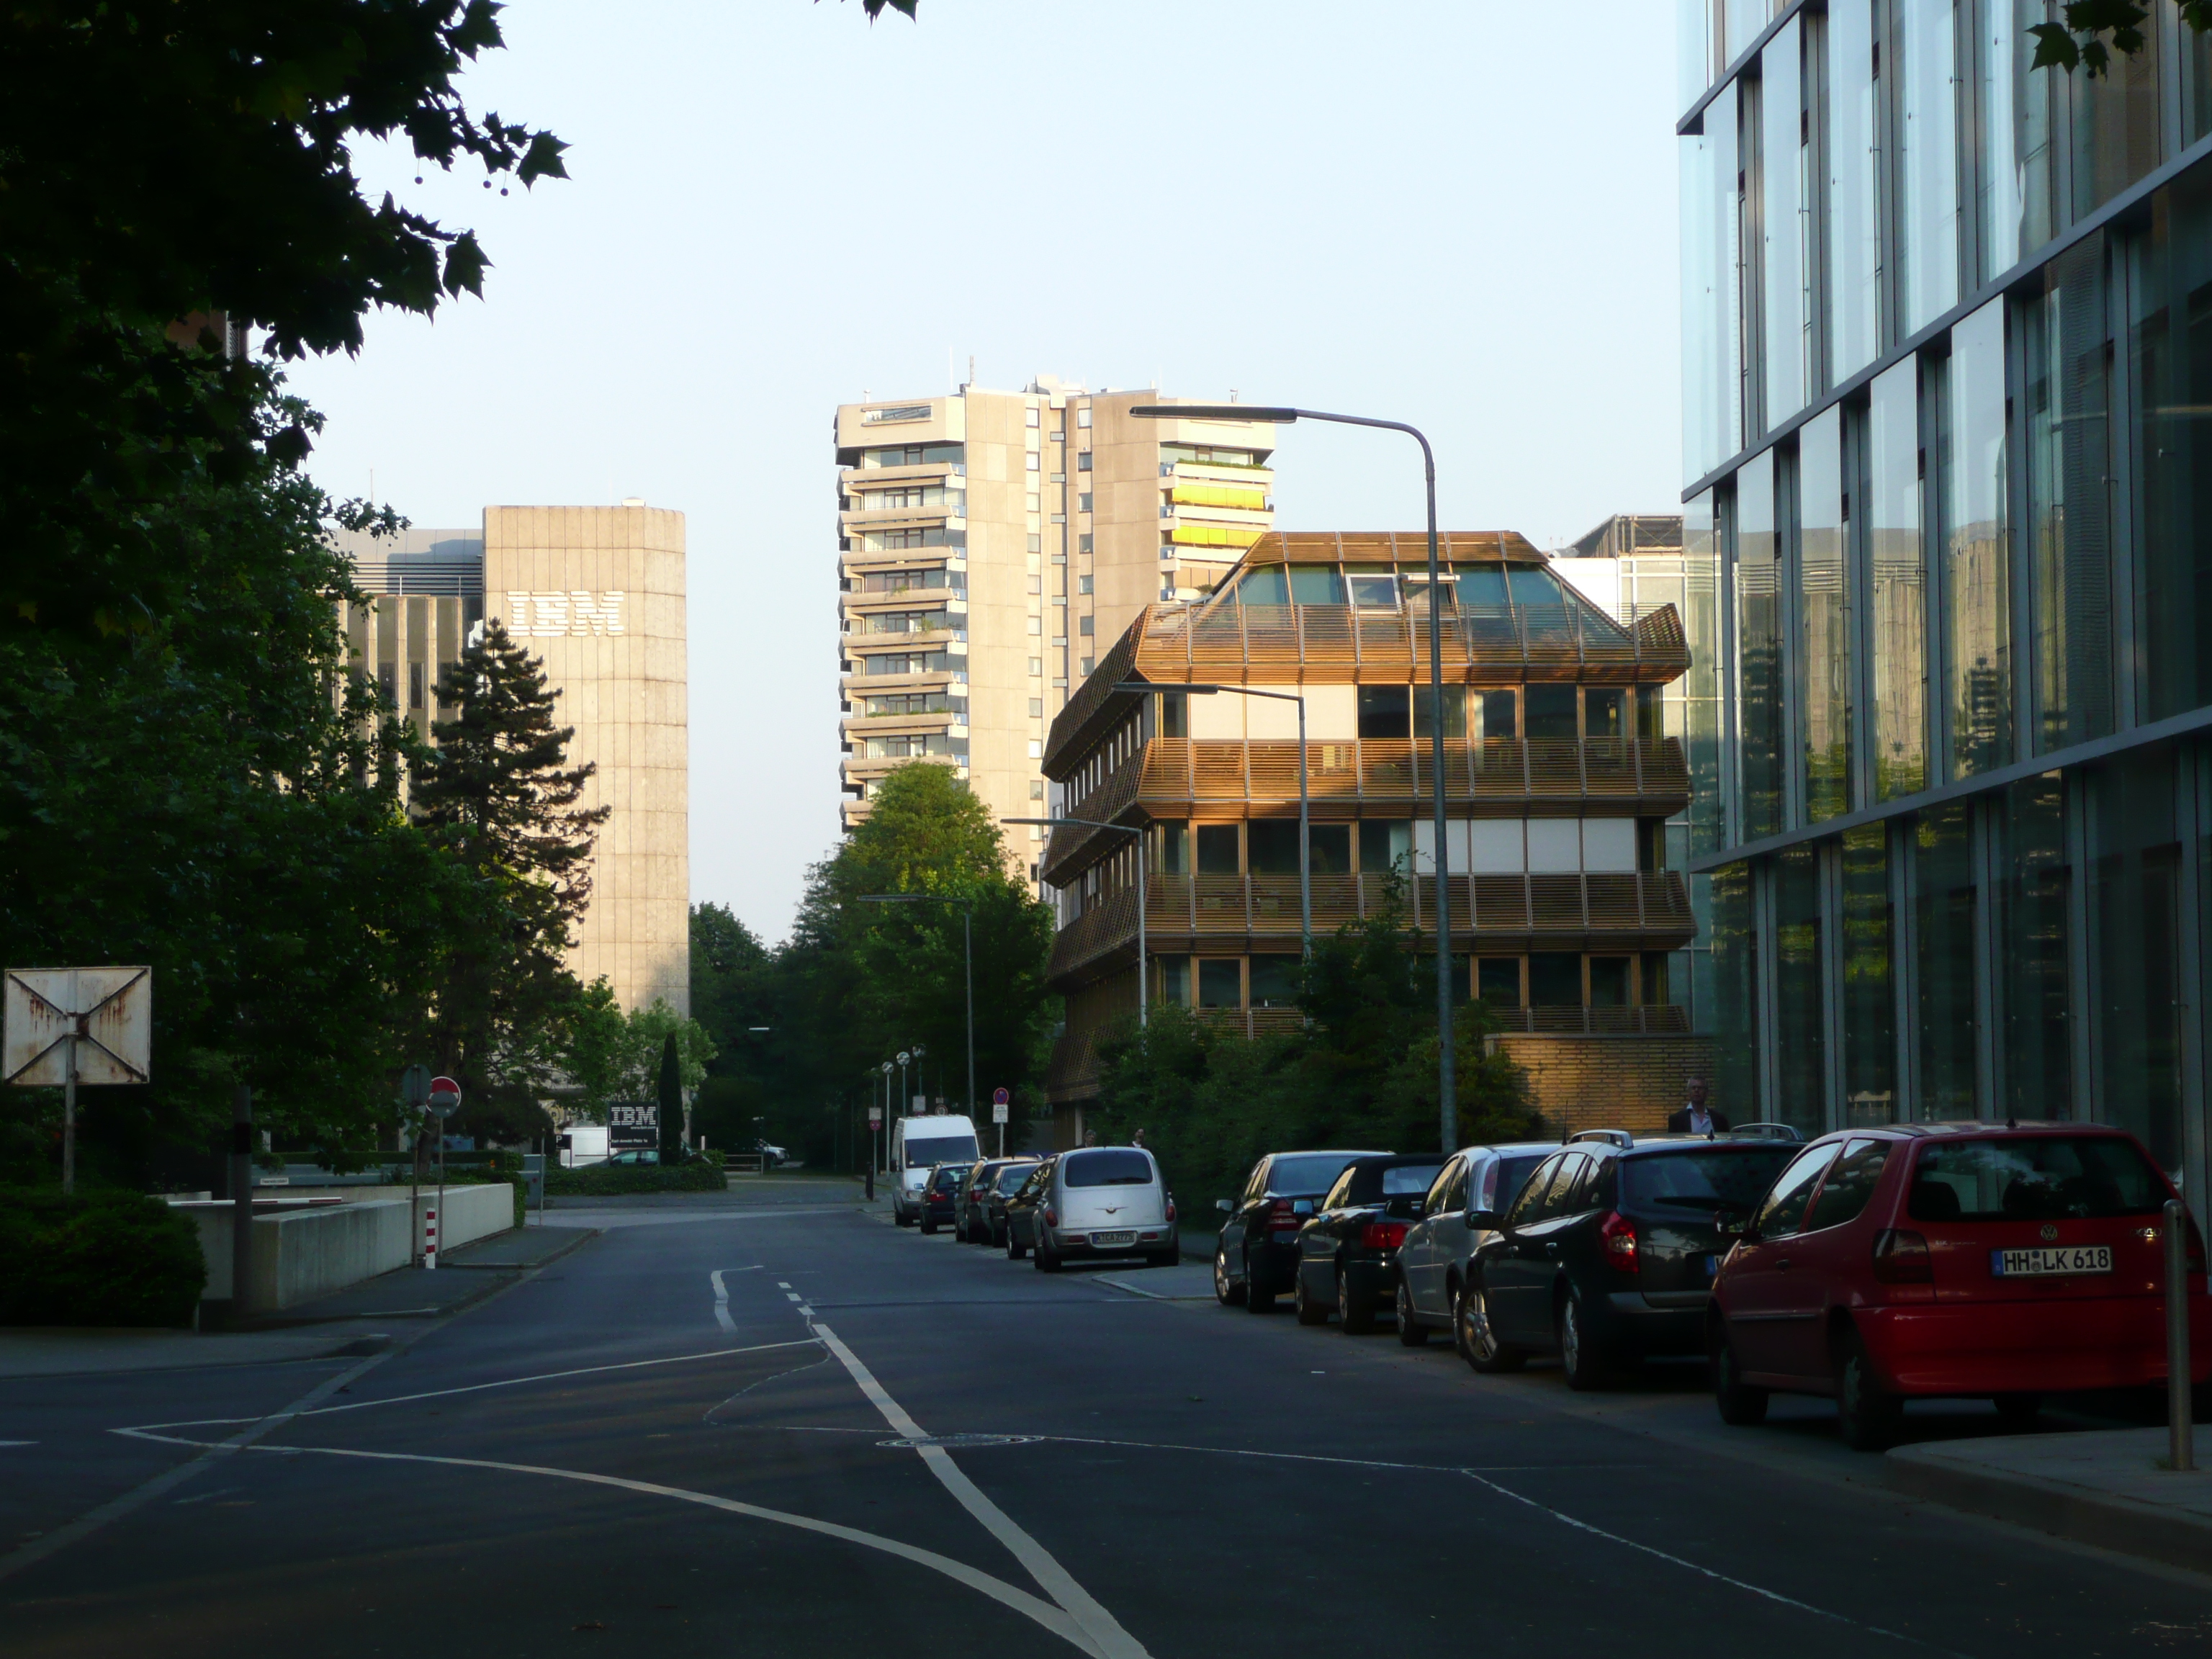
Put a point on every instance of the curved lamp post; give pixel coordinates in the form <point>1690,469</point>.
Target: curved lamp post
<point>1447,1092</point>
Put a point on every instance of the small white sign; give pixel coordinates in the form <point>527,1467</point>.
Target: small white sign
<point>999,1112</point>
<point>875,1117</point>
<point>920,1104</point>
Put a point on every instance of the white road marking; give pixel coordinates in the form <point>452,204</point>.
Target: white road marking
<point>141,1431</point>
<point>783,1284</point>
<point>18,1443</point>
<point>1053,1619</point>
<point>722,1296</point>
<point>1102,1633</point>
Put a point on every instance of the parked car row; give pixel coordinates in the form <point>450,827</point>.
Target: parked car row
<point>1094,1203</point>
<point>1871,1266</point>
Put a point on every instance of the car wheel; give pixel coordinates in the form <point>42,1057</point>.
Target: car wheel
<point>1255,1299</point>
<point>1355,1315</point>
<point>1014,1250</point>
<point>1411,1331</point>
<point>901,1217</point>
<point>2019,1410</point>
<point>1741,1405</point>
<point>1226,1290</point>
<point>1310,1310</point>
<point>1475,1337</point>
<point>1868,1414</point>
<point>927,1225</point>
<point>1586,1365</point>
<point>1047,1259</point>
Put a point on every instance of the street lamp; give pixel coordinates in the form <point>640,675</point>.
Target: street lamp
<point>1305,852</point>
<point>1144,1016</point>
<point>1447,1092</point>
<point>967,963</point>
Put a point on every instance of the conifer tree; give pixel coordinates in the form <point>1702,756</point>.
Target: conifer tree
<point>498,793</point>
<point>669,1090</point>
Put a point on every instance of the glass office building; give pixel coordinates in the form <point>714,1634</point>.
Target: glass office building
<point>1947,364</point>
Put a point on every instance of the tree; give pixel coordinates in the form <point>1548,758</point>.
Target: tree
<point>498,795</point>
<point>668,1093</point>
<point>2091,30</point>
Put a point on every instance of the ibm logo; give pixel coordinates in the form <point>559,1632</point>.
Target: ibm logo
<point>555,616</point>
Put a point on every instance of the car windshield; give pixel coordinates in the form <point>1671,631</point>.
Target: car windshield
<point>1114,1166</point>
<point>1704,1177</point>
<point>1404,1178</point>
<point>2033,1178</point>
<point>1306,1175</point>
<point>1512,1173</point>
<point>938,1149</point>
<point>947,1180</point>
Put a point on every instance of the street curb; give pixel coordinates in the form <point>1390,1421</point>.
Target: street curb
<point>2107,1521</point>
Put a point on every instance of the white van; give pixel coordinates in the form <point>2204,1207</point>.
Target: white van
<point>917,1145</point>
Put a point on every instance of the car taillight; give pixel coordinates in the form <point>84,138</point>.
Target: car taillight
<point>1282,1215</point>
<point>1902,1258</point>
<point>1171,1209</point>
<point>1617,1234</point>
<point>1051,1218</point>
<point>1382,1235</point>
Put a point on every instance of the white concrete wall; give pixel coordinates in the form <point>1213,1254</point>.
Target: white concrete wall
<point>301,1253</point>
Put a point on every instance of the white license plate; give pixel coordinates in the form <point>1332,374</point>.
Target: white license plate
<point>2046,1263</point>
<point>1113,1238</point>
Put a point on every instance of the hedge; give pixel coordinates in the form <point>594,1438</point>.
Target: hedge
<point>613,1180</point>
<point>97,1259</point>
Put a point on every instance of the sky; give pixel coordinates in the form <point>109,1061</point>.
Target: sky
<point>1458,213</point>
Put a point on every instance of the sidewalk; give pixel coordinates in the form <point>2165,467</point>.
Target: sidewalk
<point>78,1350</point>
<point>2106,1487</point>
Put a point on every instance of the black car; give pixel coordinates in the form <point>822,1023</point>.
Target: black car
<point>971,1216</point>
<point>1348,1248</point>
<point>939,1199</point>
<point>1257,1258</point>
<point>1022,1205</point>
<point>1003,1187</point>
<point>1608,1253</point>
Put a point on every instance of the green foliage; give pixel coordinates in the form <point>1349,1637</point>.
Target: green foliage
<point>98,1259</point>
<point>699,1175</point>
<point>609,1056</point>
<point>1363,1073</point>
<point>668,1095</point>
<point>2095,29</point>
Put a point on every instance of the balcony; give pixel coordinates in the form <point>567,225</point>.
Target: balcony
<point>1647,911</point>
<point>1509,777</point>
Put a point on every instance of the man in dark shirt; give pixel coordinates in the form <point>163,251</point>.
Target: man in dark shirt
<point>1694,1119</point>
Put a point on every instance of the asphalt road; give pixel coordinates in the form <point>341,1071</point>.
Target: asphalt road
<point>622,1453</point>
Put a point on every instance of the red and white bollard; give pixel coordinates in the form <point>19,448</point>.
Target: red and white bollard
<point>429,1238</point>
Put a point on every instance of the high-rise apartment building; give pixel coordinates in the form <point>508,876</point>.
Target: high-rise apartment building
<point>992,544</point>
<point>596,593</point>
<point>1945,460</point>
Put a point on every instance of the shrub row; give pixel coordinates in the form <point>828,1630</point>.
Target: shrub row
<point>97,1259</point>
<point>612,1180</point>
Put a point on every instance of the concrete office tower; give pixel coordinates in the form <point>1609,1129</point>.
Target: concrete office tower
<point>596,593</point>
<point>991,543</point>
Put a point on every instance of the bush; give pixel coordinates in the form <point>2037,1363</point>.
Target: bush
<point>613,1180</point>
<point>97,1259</point>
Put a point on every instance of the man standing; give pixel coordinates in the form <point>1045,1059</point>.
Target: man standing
<point>1693,1118</point>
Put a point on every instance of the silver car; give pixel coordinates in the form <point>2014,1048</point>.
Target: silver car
<point>1106,1202</point>
<point>1433,1262</point>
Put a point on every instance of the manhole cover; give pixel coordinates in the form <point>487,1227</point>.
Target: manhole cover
<point>955,1441</point>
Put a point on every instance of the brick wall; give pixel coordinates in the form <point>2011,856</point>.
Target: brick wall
<point>1607,1082</point>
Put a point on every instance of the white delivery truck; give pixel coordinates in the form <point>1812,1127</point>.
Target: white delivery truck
<point>917,1144</point>
<point>583,1144</point>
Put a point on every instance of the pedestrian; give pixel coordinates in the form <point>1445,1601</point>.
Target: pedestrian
<point>1137,1139</point>
<point>1090,1137</point>
<point>1695,1118</point>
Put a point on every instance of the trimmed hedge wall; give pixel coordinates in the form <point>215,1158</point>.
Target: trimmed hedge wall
<point>613,1180</point>
<point>97,1259</point>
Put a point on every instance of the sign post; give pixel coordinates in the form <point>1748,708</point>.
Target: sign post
<point>999,1101</point>
<point>415,1096</point>
<point>445,1099</point>
<point>875,1122</point>
<point>67,1025</point>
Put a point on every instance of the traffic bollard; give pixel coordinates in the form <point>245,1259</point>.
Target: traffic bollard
<point>430,1238</point>
<point>2182,1430</point>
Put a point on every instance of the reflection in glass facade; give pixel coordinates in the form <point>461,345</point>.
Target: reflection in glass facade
<point>1978,560</point>
<point>1899,587</point>
<point>1825,656</point>
<point>1784,160</point>
<point>1700,688</point>
<point>1712,294</point>
<point>1926,226</point>
<point>1758,582</point>
<point>1853,169</point>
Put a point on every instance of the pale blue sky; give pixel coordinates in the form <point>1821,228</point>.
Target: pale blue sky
<point>1418,209</point>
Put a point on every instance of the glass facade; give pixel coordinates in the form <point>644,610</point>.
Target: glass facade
<point>1953,460</point>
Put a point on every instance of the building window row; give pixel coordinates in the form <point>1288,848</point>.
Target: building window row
<point>1540,979</point>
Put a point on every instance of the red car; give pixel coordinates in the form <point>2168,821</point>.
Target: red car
<point>1920,1261</point>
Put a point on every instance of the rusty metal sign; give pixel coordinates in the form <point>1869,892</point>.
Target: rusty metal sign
<point>105,1014</point>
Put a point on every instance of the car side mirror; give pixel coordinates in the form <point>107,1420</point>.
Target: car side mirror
<point>1482,1220</point>
<point>1733,1226</point>
<point>1223,1205</point>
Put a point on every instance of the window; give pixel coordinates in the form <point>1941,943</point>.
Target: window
<point>1824,608</point>
<point>1802,975</point>
<point>1605,712</point>
<point>1220,982</point>
<point>1498,719</point>
<point>1037,664</point>
<point>1385,844</point>
<point>1211,455</point>
<point>1083,584</point>
<point>1869,1002</point>
<point>1032,461</point>
<point>1901,584</point>
<point>1037,546</point>
<point>1850,1185</point>
<point>1175,981</point>
<point>1853,155</point>
<point>1275,983</point>
<point>1529,1205</point>
<point>1271,845</point>
<point>1263,584</point>
<point>1922,60</point>
<point>1216,849</point>
<point>1036,624</point>
<point>1175,849</point>
<point>1783,1210</point>
<point>1759,648</point>
<point>914,455</point>
<point>1037,788</point>
<point>1083,416</point>
<point>1945,919</point>
<point>1385,711</point>
<point>1498,981</point>
<point>1555,979</point>
<point>1036,708</point>
<point>1551,712</point>
<point>1328,848</point>
<point>1086,625</point>
<point>1083,461</point>
<point>1107,1166</point>
<point>1036,749</point>
<point>1454,705</point>
<point>1712,267</point>
<point>1977,595</point>
<point>2033,1178</point>
<point>1088,664</point>
<point>1609,982</point>
<point>1785,162</point>
<point>1083,502</point>
<point>1374,593</point>
<point>2067,532</point>
<point>2034,882</point>
<point>1083,544</point>
<point>1447,1194</point>
<point>1033,417</point>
